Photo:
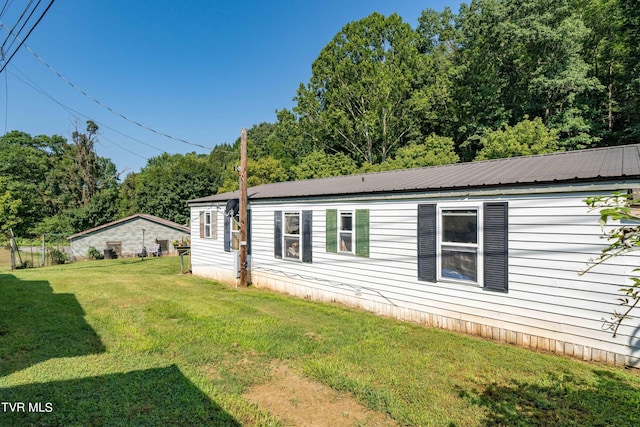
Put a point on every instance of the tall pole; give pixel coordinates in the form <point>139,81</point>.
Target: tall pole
<point>243,208</point>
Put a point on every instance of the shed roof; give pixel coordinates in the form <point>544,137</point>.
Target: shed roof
<point>148,217</point>
<point>596,164</point>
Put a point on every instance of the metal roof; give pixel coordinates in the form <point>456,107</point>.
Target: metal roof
<point>618,162</point>
<point>148,217</point>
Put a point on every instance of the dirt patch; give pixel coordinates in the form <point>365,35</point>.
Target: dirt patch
<point>298,401</point>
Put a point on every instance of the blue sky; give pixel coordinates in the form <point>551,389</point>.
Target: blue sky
<point>196,70</point>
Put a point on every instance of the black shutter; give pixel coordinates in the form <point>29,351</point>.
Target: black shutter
<point>427,242</point>
<point>496,250</point>
<point>307,217</point>
<point>227,233</point>
<point>277,234</point>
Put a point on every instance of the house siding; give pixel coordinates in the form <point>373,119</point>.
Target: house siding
<point>129,233</point>
<point>548,305</point>
<point>208,256</point>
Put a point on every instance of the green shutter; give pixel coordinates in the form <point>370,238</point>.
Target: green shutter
<point>332,230</point>
<point>362,232</point>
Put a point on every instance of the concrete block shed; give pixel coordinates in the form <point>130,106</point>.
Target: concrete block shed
<point>492,248</point>
<point>125,236</point>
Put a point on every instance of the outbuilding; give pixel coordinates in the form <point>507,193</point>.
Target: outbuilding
<point>128,236</point>
<point>492,248</point>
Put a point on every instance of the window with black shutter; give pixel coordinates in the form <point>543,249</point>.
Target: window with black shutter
<point>464,243</point>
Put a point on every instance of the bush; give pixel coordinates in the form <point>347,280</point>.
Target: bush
<point>25,264</point>
<point>93,253</point>
<point>58,257</point>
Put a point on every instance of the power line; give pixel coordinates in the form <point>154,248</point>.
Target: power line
<point>70,110</point>
<point>17,22</point>
<point>109,108</point>
<point>27,36</point>
<point>4,8</point>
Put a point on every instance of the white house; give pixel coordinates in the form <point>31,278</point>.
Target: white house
<point>491,248</point>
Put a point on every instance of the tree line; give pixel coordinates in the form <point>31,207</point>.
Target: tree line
<point>499,78</point>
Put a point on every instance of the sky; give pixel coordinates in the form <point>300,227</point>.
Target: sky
<point>196,70</point>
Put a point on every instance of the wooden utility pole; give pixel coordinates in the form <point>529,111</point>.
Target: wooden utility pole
<point>243,208</point>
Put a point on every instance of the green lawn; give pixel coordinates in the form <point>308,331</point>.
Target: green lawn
<point>125,342</point>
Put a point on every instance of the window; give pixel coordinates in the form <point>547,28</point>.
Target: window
<point>292,235</point>
<point>464,243</point>
<point>458,244</point>
<point>232,232</point>
<point>347,232</point>
<point>208,224</point>
<point>235,233</point>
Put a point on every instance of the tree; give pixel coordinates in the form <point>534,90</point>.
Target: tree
<point>522,58</point>
<point>86,169</point>
<point>624,239</point>
<point>262,171</point>
<point>10,207</point>
<point>319,164</point>
<point>435,150</point>
<point>524,139</point>
<point>356,101</point>
<point>164,185</point>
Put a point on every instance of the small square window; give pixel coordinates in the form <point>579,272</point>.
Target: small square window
<point>291,238</point>
<point>458,242</point>
<point>345,232</point>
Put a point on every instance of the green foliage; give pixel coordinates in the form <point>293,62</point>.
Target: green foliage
<point>164,185</point>
<point>10,208</point>
<point>319,164</point>
<point>357,100</point>
<point>57,256</point>
<point>435,150</point>
<point>93,253</point>
<point>524,139</point>
<point>624,239</point>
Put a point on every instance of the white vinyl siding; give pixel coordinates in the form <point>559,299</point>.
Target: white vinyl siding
<point>550,240</point>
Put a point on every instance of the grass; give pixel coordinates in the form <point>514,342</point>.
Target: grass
<point>125,342</point>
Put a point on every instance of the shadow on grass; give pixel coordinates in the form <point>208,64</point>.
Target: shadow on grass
<point>151,397</point>
<point>37,324</point>
<point>607,399</point>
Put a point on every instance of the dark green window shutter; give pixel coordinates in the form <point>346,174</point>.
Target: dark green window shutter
<point>307,221</point>
<point>277,234</point>
<point>362,232</point>
<point>427,243</point>
<point>496,249</point>
<point>332,230</point>
<point>227,233</point>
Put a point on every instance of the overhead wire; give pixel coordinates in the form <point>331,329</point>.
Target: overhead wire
<point>10,31</point>
<point>7,3</point>
<point>84,93</point>
<point>76,113</point>
<point>18,22</point>
<point>27,36</point>
<point>64,79</point>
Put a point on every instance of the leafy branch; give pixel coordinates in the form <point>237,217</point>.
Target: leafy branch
<point>623,239</point>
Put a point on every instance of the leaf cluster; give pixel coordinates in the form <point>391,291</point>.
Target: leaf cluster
<point>623,239</point>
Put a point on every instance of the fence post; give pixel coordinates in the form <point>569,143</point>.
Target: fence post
<point>43,252</point>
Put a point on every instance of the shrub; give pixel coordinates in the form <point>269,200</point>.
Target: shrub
<point>93,253</point>
<point>58,257</point>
